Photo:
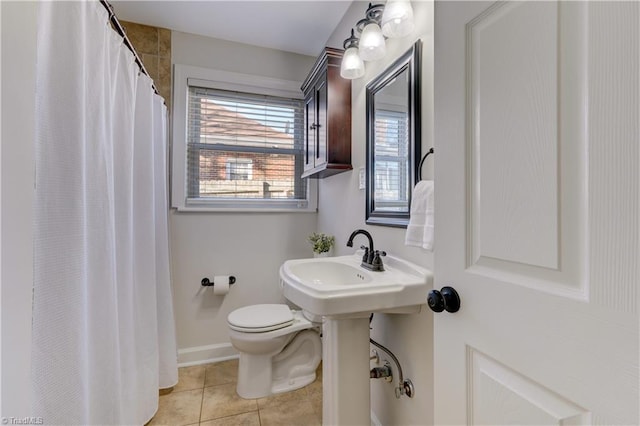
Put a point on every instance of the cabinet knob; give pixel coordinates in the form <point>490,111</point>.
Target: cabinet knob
<point>313,126</point>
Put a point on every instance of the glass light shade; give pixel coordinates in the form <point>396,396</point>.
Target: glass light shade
<point>397,18</point>
<point>352,65</point>
<point>372,46</point>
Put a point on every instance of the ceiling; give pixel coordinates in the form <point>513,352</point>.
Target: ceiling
<point>301,26</point>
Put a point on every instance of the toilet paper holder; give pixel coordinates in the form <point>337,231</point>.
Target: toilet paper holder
<point>205,282</point>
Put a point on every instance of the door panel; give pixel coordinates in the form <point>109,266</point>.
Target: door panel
<point>527,145</point>
<point>537,207</point>
<point>514,140</point>
<point>310,132</point>
<point>321,147</point>
<point>501,396</point>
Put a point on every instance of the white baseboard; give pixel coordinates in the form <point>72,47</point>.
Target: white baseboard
<point>206,354</point>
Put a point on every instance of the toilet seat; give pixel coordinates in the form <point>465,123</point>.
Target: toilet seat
<point>260,318</point>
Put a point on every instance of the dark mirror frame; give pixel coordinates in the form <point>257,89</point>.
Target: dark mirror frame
<point>409,61</point>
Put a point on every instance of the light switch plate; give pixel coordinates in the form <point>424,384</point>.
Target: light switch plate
<point>362,179</point>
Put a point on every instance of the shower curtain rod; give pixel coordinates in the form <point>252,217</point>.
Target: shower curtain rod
<point>120,30</point>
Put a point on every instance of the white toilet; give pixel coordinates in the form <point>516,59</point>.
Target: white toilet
<point>280,348</point>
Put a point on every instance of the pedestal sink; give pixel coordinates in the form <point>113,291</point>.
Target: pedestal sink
<point>345,293</point>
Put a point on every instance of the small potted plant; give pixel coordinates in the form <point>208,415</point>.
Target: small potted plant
<point>322,244</point>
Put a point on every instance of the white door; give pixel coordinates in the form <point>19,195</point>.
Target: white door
<point>537,111</point>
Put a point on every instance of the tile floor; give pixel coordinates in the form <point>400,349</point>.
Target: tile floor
<point>206,395</point>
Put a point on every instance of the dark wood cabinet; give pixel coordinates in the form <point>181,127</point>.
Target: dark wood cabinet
<point>327,118</point>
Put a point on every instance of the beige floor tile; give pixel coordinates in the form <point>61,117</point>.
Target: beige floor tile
<point>190,378</point>
<point>315,393</point>
<point>223,401</point>
<point>246,419</point>
<point>221,373</point>
<point>179,408</point>
<point>277,400</point>
<point>294,413</point>
<point>315,388</point>
<point>219,405</point>
<point>315,398</point>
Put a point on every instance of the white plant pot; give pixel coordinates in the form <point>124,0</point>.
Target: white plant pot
<point>324,254</point>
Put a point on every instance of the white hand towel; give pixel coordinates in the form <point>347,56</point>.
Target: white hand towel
<point>420,229</point>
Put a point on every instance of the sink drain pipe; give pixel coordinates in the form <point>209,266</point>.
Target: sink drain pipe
<point>405,387</point>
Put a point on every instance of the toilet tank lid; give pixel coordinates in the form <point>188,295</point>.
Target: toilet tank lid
<point>260,316</point>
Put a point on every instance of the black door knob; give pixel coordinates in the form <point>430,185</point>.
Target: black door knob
<point>447,299</point>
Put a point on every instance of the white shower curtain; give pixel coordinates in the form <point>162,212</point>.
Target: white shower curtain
<point>103,326</point>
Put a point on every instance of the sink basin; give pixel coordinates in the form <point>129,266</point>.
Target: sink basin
<point>339,285</point>
<point>323,274</point>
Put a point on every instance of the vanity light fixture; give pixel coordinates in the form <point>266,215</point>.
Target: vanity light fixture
<point>352,65</point>
<point>395,19</point>
<point>371,46</point>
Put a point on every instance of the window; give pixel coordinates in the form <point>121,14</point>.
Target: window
<point>239,169</point>
<point>391,160</point>
<point>243,144</point>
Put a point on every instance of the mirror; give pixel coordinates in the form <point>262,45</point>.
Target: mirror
<point>393,140</point>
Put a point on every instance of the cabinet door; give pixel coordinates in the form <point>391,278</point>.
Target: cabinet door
<point>321,123</point>
<point>309,132</point>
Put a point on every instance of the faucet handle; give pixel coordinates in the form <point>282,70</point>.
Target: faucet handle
<point>365,258</point>
<point>377,261</point>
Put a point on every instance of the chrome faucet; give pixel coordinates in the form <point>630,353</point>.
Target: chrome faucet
<point>372,259</point>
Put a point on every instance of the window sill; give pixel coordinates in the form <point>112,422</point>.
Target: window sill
<point>247,206</point>
<point>205,209</point>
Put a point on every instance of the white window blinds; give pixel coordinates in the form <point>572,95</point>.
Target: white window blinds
<point>391,160</point>
<point>244,148</point>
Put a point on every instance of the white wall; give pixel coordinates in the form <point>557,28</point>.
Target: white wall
<point>18,129</point>
<point>250,246</point>
<point>342,210</point>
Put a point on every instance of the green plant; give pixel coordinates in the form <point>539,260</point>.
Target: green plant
<point>322,243</point>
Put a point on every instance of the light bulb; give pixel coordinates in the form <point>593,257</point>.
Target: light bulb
<point>372,46</point>
<point>352,65</point>
<point>397,18</point>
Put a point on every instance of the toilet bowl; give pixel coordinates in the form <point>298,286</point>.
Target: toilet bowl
<point>280,349</point>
